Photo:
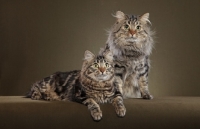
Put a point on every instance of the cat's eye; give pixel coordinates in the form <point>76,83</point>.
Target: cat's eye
<point>96,65</point>
<point>138,27</point>
<point>126,26</point>
<point>107,65</point>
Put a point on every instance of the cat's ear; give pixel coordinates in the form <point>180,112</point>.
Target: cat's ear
<point>145,18</point>
<point>120,16</point>
<point>88,56</point>
<point>109,56</point>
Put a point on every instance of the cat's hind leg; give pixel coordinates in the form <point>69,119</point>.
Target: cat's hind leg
<point>44,89</point>
<point>50,96</point>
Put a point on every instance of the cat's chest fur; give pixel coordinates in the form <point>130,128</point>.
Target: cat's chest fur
<point>101,92</point>
<point>131,66</point>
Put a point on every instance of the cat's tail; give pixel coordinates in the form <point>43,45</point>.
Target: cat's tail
<point>28,94</point>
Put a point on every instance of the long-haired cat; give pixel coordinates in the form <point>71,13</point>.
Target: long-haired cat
<point>95,83</point>
<point>130,40</point>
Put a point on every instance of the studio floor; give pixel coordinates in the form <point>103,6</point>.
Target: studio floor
<point>17,112</point>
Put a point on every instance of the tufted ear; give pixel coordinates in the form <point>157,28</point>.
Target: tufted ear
<point>109,56</point>
<point>145,18</point>
<point>88,56</point>
<point>120,16</point>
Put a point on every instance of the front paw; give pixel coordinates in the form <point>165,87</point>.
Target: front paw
<point>121,111</point>
<point>147,96</point>
<point>96,115</point>
<point>119,106</point>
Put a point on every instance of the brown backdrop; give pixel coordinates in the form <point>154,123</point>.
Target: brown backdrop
<point>39,37</point>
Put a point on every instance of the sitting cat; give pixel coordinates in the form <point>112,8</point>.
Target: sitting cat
<point>131,41</point>
<point>95,83</point>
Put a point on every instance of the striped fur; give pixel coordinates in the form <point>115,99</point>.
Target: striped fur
<point>95,83</point>
<point>130,40</point>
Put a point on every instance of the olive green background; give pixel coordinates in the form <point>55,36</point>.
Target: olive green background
<point>40,37</point>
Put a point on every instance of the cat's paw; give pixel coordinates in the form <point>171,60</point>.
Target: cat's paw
<point>121,111</point>
<point>51,96</point>
<point>56,97</point>
<point>36,96</point>
<point>48,98</point>
<point>119,106</point>
<point>147,96</point>
<point>96,115</point>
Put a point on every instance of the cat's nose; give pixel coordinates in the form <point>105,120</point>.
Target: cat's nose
<point>132,32</point>
<point>102,69</point>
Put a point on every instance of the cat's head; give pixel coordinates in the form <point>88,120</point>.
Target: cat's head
<point>131,32</point>
<point>98,68</point>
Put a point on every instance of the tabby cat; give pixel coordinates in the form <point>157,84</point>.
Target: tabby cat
<point>130,40</point>
<point>96,83</point>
